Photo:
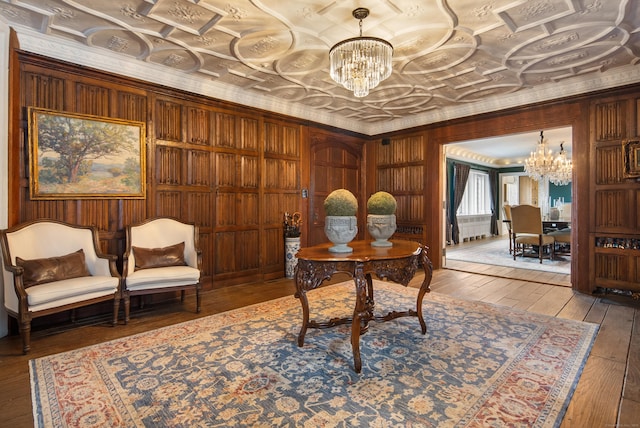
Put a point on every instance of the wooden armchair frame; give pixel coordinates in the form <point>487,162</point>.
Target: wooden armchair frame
<point>42,239</point>
<point>155,233</point>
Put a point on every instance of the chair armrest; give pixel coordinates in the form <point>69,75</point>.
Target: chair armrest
<point>199,259</point>
<point>106,265</point>
<point>17,272</point>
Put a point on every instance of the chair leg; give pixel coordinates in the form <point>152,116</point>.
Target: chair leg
<point>540,250</point>
<point>182,293</point>
<point>25,332</point>
<point>198,298</point>
<point>116,309</point>
<point>127,305</point>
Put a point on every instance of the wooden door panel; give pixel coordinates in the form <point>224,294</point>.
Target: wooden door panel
<point>333,165</point>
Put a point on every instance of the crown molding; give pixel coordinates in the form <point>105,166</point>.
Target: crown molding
<point>105,60</point>
<point>609,79</point>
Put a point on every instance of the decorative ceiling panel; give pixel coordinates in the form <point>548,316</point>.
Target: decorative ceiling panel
<point>451,57</point>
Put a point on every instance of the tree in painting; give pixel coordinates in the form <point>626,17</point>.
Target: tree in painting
<point>69,149</point>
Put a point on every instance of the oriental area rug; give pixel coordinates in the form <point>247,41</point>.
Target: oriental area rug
<point>477,365</point>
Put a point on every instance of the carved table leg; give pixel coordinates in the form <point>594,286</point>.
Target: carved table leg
<point>305,316</point>
<point>302,295</point>
<point>370,301</point>
<point>360,315</point>
<point>424,288</point>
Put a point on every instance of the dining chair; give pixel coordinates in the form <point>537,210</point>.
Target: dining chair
<point>527,231</point>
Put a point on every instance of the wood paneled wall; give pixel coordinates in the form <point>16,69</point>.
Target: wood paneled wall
<point>232,171</point>
<point>406,166</point>
<point>615,224</point>
<point>235,171</point>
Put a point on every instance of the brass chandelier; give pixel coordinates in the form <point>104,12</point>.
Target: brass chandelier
<point>361,63</point>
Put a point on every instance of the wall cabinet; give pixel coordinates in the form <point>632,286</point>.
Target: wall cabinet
<point>616,261</point>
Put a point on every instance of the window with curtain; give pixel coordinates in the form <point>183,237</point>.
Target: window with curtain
<point>477,195</point>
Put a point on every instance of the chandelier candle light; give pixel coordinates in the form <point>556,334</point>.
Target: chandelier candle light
<point>542,164</point>
<point>543,167</point>
<point>562,168</point>
<point>361,63</point>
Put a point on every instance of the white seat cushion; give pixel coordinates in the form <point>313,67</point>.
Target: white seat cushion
<point>71,290</point>
<point>170,276</point>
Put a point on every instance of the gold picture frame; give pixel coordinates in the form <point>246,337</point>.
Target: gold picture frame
<point>631,158</point>
<point>77,156</point>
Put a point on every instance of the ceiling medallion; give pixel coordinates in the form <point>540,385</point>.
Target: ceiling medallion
<point>361,63</point>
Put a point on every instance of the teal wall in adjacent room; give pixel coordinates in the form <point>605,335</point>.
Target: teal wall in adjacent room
<point>556,192</point>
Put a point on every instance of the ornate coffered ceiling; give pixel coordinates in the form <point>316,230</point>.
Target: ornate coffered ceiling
<point>452,58</point>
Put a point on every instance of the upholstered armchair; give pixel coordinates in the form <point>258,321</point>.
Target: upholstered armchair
<point>527,230</point>
<point>50,267</point>
<point>162,255</point>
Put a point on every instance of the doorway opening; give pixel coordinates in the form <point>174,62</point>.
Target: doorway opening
<point>506,156</point>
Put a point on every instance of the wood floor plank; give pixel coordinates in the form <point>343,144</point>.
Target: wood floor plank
<point>615,334</point>
<point>577,307</point>
<point>629,414</point>
<point>552,302</point>
<point>597,312</point>
<point>596,398</point>
<point>487,289</point>
<point>532,294</point>
<point>464,287</point>
<point>632,382</point>
<point>511,287</point>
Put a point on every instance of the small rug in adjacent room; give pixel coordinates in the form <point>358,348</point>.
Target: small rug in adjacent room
<point>478,365</point>
<point>496,252</point>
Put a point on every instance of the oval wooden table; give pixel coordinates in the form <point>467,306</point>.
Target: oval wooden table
<point>397,263</point>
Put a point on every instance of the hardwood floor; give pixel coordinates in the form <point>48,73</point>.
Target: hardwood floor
<point>607,395</point>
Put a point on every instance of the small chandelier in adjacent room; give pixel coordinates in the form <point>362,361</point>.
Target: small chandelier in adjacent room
<point>542,164</point>
<point>562,169</point>
<point>361,63</point>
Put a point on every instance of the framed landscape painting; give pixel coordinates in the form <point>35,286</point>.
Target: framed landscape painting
<point>75,156</point>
